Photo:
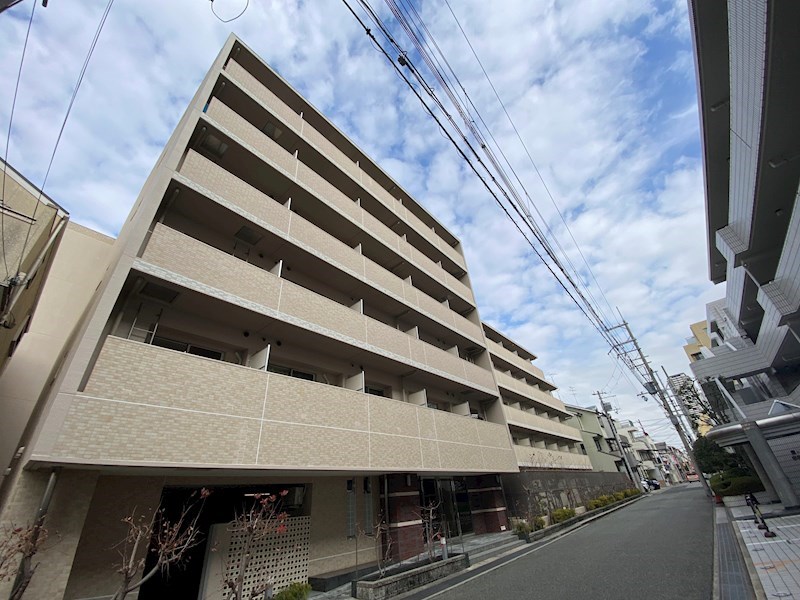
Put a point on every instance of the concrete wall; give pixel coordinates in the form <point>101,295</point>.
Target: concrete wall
<point>76,270</point>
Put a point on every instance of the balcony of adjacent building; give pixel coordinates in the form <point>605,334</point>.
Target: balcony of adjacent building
<point>534,420</point>
<point>184,378</point>
<point>272,168</point>
<point>510,356</point>
<point>324,164</point>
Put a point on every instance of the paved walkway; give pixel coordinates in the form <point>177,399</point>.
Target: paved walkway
<point>776,560</point>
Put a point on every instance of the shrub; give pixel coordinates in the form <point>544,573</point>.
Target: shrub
<point>736,486</point>
<point>538,523</point>
<point>522,527</point>
<point>631,492</point>
<point>562,514</point>
<point>619,495</point>
<point>296,591</point>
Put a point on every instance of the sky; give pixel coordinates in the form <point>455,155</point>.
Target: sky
<point>602,93</point>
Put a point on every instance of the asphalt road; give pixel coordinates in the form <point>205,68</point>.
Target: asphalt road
<point>660,547</point>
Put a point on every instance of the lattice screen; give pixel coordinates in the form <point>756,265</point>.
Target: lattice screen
<point>284,556</point>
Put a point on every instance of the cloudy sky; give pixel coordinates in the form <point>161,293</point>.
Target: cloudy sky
<point>603,94</point>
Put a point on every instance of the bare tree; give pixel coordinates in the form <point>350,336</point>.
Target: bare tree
<point>384,543</point>
<point>262,519</point>
<point>18,546</point>
<point>431,527</point>
<point>170,541</point>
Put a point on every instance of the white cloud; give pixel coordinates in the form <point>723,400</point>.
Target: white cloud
<point>602,93</point>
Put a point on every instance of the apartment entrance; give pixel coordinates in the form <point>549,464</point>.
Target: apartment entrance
<point>453,516</point>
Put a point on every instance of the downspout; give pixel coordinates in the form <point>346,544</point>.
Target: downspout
<point>41,513</point>
<point>22,285</point>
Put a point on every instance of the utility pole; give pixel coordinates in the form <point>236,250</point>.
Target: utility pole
<point>656,390</point>
<point>636,480</point>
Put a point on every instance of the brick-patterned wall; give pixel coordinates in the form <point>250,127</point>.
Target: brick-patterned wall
<point>64,524</point>
<point>140,407</point>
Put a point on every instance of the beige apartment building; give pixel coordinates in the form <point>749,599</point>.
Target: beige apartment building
<point>277,314</point>
<point>539,423</point>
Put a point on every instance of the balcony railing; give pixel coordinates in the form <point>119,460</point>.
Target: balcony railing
<point>540,458</point>
<point>516,360</point>
<point>269,100</point>
<point>524,419</point>
<point>528,391</point>
<point>213,180</point>
<point>148,405</point>
<point>237,126</point>
<point>211,271</point>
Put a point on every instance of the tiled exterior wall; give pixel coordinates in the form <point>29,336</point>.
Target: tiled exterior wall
<point>540,458</point>
<point>195,262</point>
<point>327,148</point>
<point>515,359</point>
<point>506,381</point>
<point>521,418</point>
<point>139,407</point>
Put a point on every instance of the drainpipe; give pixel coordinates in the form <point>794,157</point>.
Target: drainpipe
<point>41,513</point>
<point>6,318</point>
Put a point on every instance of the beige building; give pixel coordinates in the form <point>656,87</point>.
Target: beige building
<point>540,425</point>
<point>32,225</point>
<point>277,313</point>
<point>699,340</point>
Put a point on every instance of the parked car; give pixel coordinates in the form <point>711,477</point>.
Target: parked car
<point>692,477</point>
<point>653,484</point>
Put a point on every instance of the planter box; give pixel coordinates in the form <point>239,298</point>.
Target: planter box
<point>414,577</point>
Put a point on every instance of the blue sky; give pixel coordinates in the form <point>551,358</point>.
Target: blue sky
<point>602,92</point>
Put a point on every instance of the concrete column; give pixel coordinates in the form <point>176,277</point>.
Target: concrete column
<point>762,474</point>
<point>772,467</point>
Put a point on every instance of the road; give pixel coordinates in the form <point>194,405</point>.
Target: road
<point>660,547</point>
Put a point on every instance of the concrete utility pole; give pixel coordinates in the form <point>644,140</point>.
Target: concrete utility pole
<point>657,390</point>
<point>636,480</point>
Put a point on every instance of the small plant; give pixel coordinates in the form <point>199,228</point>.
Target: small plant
<point>538,523</point>
<point>521,527</point>
<point>296,591</point>
<point>562,514</point>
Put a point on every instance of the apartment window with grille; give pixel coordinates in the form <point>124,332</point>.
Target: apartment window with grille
<point>598,445</point>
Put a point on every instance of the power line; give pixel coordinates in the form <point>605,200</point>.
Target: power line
<point>64,122</point>
<point>8,139</point>
<point>247,4</point>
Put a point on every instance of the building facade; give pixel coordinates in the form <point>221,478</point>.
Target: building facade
<point>540,425</point>
<point>691,401</point>
<point>747,57</point>
<point>599,442</point>
<point>277,314</point>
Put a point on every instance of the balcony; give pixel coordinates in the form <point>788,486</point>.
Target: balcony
<point>540,458</point>
<point>147,405</point>
<point>242,131</point>
<point>322,144</point>
<point>215,183</point>
<point>185,261</point>
<point>524,389</point>
<point>526,420</point>
<point>517,361</point>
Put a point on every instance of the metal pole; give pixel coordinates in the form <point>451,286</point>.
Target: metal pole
<point>673,419</point>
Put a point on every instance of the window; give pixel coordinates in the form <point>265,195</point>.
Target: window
<point>290,372</point>
<point>598,445</point>
<point>583,448</point>
<point>186,347</point>
<point>375,391</point>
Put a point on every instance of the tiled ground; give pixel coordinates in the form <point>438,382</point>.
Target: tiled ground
<point>777,560</point>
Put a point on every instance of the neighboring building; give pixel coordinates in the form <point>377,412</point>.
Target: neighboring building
<point>539,423</point>
<point>748,56</point>
<point>277,313</point>
<point>699,340</point>
<point>598,439</point>
<point>77,268</point>
<point>674,463</point>
<point>32,225</point>
<point>692,402</point>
